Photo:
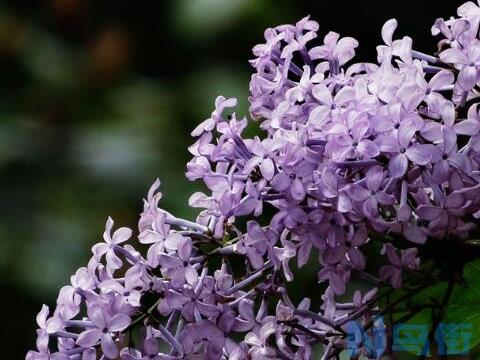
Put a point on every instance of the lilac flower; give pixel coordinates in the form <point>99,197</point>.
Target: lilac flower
<point>404,150</point>
<point>471,125</point>
<point>354,145</point>
<point>199,303</point>
<point>372,196</point>
<point>337,277</point>
<point>450,157</point>
<point>289,182</point>
<point>444,217</point>
<point>405,224</point>
<point>349,249</point>
<point>347,156</point>
<point>106,325</point>
<point>48,325</point>
<point>208,125</point>
<point>468,61</point>
<point>149,207</point>
<point>400,48</point>
<point>177,268</point>
<point>328,105</point>
<point>246,316</point>
<point>284,255</point>
<point>334,49</point>
<point>111,241</point>
<point>262,158</point>
<point>441,81</point>
<point>131,288</point>
<point>43,351</point>
<point>393,272</point>
<point>257,341</point>
<point>150,349</point>
<point>334,189</point>
<point>256,243</point>
<point>203,339</point>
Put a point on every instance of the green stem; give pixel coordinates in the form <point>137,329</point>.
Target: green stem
<point>437,318</point>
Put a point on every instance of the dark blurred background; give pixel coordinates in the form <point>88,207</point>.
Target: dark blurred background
<point>97,99</point>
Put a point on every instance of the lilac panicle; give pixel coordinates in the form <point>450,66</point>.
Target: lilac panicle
<point>350,153</point>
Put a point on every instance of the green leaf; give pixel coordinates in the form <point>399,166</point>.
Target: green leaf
<point>461,317</point>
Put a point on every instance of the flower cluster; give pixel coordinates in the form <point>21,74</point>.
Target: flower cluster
<point>349,154</point>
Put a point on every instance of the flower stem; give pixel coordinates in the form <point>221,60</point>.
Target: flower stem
<point>437,318</point>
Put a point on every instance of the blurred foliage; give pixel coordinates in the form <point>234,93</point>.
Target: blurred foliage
<point>97,99</point>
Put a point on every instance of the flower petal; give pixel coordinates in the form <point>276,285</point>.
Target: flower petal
<point>89,338</point>
<point>398,166</point>
<point>108,346</point>
<point>388,30</point>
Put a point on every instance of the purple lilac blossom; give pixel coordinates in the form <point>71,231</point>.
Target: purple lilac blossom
<point>349,152</point>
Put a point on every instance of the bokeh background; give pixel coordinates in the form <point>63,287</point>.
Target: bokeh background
<point>97,99</point>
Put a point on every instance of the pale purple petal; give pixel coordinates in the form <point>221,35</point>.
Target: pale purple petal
<point>398,165</point>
